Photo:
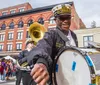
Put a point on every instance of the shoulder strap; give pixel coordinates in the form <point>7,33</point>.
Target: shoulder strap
<point>63,37</point>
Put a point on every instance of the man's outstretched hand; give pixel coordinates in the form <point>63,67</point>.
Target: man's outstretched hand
<point>40,74</point>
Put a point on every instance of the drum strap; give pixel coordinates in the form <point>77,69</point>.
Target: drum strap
<point>64,37</point>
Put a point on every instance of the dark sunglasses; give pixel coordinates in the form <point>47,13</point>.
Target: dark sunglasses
<point>62,18</point>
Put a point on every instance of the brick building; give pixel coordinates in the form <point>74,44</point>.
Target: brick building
<point>15,22</point>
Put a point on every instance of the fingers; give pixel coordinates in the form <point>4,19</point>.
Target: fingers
<point>44,81</point>
<point>37,73</point>
<point>40,74</point>
<point>35,69</point>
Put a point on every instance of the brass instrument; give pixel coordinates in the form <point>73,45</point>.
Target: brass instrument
<point>36,31</point>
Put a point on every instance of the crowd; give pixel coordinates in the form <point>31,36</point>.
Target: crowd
<point>7,69</point>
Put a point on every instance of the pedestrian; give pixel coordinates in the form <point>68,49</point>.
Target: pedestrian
<point>23,74</point>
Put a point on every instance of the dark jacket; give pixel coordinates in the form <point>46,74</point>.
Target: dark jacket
<point>22,56</point>
<point>25,75</point>
<point>47,48</point>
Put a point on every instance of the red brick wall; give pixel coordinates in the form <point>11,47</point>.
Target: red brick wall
<point>26,6</point>
<point>35,16</point>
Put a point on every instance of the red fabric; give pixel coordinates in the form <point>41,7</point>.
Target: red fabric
<point>1,69</point>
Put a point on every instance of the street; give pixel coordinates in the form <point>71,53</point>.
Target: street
<point>10,82</point>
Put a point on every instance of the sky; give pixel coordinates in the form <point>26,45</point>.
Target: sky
<point>88,10</point>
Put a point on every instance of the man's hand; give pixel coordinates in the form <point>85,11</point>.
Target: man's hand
<point>40,74</point>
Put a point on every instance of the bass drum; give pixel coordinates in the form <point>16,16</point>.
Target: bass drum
<point>73,67</point>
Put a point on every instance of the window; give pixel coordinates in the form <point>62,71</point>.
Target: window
<point>4,13</point>
<point>29,22</point>
<point>20,24</point>
<point>2,36</point>
<point>86,39</point>
<point>10,36</point>
<point>27,35</point>
<point>9,47</point>
<point>18,46</point>
<point>21,9</point>
<point>3,27</point>
<point>12,11</point>
<point>11,26</point>
<point>20,35</point>
<point>1,47</point>
<point>51,21</point>
<point>41,21</point>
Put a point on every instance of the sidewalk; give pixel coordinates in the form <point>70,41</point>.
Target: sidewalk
<point>10,79</point>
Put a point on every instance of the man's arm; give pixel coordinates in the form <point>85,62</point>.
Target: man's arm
<point>42,56</point>
<point>43,51</point>
<point>21,58</point>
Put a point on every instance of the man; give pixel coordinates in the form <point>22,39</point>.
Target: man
<point>43,55</point>
<point>23,74</point>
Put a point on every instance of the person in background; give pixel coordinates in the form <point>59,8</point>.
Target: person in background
<point>23,74</point>
<point>47,48</point>
<point>1,70</point>
<point>8,70</point>
<point>4,72</point>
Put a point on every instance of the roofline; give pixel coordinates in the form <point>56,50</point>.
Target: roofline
<point>35,10</point>
<point>14,6</point>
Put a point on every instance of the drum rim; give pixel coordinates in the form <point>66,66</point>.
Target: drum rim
<point>77,50</point>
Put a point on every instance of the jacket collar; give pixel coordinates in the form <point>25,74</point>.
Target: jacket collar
<point>65,32</point>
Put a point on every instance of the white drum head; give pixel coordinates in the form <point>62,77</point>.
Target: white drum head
<point>72,69</point>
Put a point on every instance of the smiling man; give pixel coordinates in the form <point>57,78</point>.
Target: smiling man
<point>62,15</point>
<point>48,47</point>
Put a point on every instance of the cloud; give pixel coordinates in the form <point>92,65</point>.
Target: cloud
<point>88,10</point>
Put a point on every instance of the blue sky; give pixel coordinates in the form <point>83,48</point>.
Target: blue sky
<point>88,10</point>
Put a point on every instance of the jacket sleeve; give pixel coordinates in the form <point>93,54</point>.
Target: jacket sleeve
<point>21,58</point>
<point>43,51</point>
<point>21,55</point>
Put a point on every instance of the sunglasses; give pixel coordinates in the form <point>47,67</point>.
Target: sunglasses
<point>62,18</point>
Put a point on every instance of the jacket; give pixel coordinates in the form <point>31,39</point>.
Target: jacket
<point>47,48</point>
<point>22,57</point>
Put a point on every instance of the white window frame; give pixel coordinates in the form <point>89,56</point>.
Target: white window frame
<point>2,37</point>
<point>10,36</point>
<point>9,47</point>
<point>20,35</point>
<point>21,9</point>
<point>4,13</point>
<point>86,39</point>
<point>1,47</point>
<point>51,20</point>
<point>12,11</point>
<point>18,46</point>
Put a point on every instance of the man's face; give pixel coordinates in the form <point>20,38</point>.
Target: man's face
<point>30,45</point>
<point>63,21</point>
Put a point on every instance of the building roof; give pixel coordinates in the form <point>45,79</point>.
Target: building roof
<point>15,6</point>
<point>35,10</point>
